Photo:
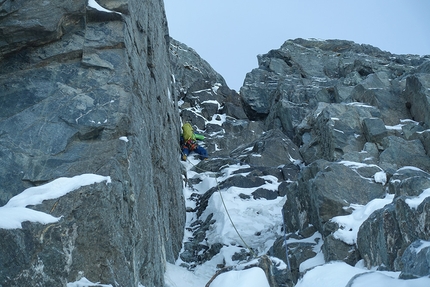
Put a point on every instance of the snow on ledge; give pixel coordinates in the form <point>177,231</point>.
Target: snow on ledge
<point>423,244</point>
<point>84,282</point>
<point>125,139</point>
<point>253,277</point>
<point>95,5</point>
<point>15,212</point>
<point>350,224</point>
<point>415,201</point>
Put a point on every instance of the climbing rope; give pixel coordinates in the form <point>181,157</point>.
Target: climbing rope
<point>231,220</point>
<point>226,209</point>
<point>286,245</point>
<point>233,224</point>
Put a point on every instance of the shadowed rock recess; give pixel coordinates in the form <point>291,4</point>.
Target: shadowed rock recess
<point>73,80</point>
<point>331,124</point>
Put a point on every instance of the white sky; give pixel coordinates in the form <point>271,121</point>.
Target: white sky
<point>229,34</point>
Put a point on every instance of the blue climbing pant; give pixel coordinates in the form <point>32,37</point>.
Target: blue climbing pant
<point>200,150</point>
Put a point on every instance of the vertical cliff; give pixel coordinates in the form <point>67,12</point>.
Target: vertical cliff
<point>89,91</point>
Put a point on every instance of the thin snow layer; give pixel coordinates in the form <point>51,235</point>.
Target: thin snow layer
<point>258,221</point>
<point>253,277</point>
<point>266,217</point>
<point>410,168</point>
<point>334,274</point>
<point>178,276</point>
<point>403,122</point>
<point>349,224</point>
<point>84,282</point>
<point>338,274</point>
<point>312,262</point>
<point>317,259</point>
<point>15,212</point>
<point>355,165</point>
<point>379,177</point>
<point>377,279</point>
<point>424,244</point>
<point>414,202</point>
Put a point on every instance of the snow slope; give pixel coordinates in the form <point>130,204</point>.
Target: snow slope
<point>264,217</point>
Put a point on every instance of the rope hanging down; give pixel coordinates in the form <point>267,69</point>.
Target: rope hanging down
<point>226,210</point>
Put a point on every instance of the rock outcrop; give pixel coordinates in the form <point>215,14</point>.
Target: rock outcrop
<point>87,91</point>
<point>337,124</point>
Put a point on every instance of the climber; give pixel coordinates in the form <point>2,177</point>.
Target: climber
<point>189,144</point>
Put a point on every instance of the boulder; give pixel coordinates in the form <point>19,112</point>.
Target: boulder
<point>258,100</point>
<point>418,97</point>
<point>336,131</point>
<point>232,134</point>
<point>331,188</point>
<point>277,277</point>
<point>398,153</point>
<point>374,130</point>
<point>397,225</point>
<point>379,238</point>
<point>271,149</point>
<point>413,220</point>
<point>296,250</point>
<point>409,181</point>
<point>337,250</point>
<point>416,260</point>
<point>297,209</point>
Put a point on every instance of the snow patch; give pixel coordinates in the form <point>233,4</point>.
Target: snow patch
<point>84,282</point>
<point>349,224</point>
<point>423,245</point>
<point>253,277</point>
<point>13,213</point>
<point>95,5</point>
<point>410,168</point>
<point>312,262</point>
<point>357,104</point>
<point>217,119</point>
<point>414,202</point>
<point>380,177</point>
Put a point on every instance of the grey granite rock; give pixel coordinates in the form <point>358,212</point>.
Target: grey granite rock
<point>69,90</point>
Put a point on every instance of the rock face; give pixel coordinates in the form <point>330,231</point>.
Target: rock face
<point>73,80</point>
<point>337,124</point>
<point>353,106</point>
<point>317,129</point>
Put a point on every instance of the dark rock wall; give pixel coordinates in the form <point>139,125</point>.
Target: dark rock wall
<point>71,84</point>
